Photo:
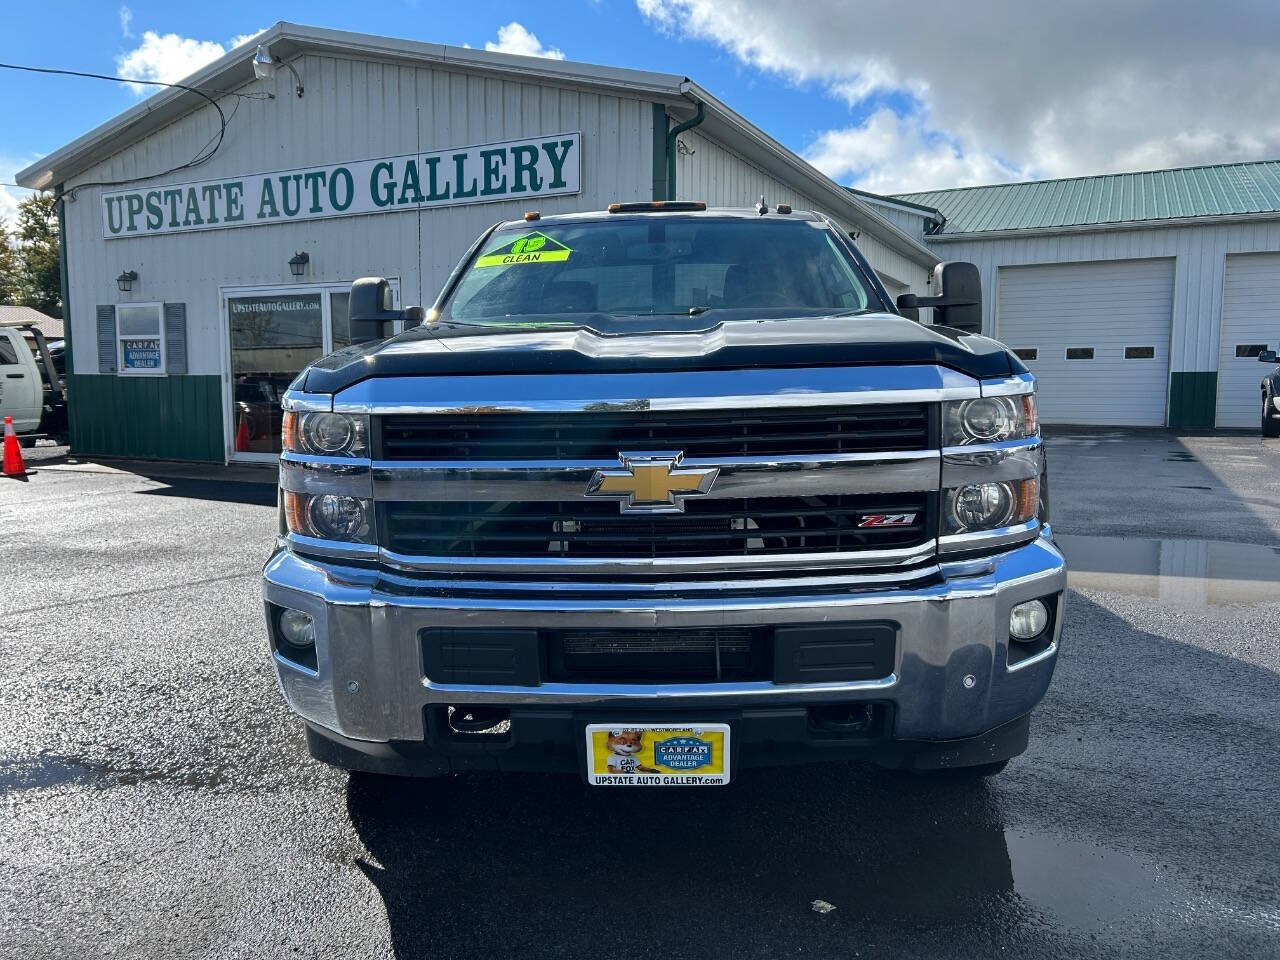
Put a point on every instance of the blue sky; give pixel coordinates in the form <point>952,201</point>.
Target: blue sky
<point>876,93</point>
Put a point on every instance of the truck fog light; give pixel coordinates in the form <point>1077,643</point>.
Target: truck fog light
<point>1028,620</point>
<point>336,517</point>
<point>297,628</point>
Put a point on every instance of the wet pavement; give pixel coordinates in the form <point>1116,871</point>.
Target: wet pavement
<point>157,801</point>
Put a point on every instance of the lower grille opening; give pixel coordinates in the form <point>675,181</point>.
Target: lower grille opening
<point>631,656</point>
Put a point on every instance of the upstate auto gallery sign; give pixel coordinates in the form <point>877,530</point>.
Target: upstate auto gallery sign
<point>512,170</point>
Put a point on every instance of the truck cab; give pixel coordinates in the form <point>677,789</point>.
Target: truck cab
<point>25,386</point>
<point>659,492</point>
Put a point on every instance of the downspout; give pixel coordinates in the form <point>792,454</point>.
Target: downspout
<point>671,147</point>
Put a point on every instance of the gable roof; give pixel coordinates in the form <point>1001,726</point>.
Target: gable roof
<point>1218,190</point>
<point>290,40</point>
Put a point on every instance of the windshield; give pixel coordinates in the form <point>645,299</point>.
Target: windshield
<point>656,266</point>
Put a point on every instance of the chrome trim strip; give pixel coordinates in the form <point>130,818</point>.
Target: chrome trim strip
<point>982,463</point>
<point>1043,655</point>
<point>681,390</point>
<point>850,473</point>
<point>306,402</point>
<point>288,664</point>
<point>906,556</point>
<point>575,692</point>
<point>1009,386</point>
<point>306,473</point>
<point>982,539</point>
<point>333,548</point>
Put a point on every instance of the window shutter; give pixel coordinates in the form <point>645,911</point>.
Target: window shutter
<point>106,338</point>
<point>175,337</point>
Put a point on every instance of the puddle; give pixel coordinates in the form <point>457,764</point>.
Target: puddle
<point>49,770</point>
<point>1083,886</point>
<point>1194,573</point>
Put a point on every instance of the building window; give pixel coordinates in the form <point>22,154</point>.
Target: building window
<point>1026,353</point>
<point>1079,353</point>
<point>140,339</point>
<point>1249,351</point>
<point>1139,353</point>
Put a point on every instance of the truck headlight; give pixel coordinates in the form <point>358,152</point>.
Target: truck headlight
<point>989,506</point>
<point>329,516</point>
<point>325,434</point>
<point>989,420</point>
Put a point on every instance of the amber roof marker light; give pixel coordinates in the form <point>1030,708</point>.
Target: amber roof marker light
<point>657,206</point>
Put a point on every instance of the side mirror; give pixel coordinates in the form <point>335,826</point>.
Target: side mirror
<point>1267,356</point>
<point>372,311</point>
<point>959,300</point>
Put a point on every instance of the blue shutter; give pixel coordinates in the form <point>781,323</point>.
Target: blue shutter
<point>175,337</point>
<point>106,338</point>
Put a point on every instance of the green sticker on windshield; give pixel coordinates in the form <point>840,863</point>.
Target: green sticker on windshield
<point>531,248</point>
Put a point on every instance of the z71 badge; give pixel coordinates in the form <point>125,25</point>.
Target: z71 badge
<point>887,520</point>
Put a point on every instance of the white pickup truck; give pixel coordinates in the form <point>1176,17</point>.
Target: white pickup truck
<point>31,391</point>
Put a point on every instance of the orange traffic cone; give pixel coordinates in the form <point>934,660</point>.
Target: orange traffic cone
<point>243,440</point>
<point>13,465</point>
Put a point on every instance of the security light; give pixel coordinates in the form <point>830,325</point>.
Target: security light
<point>125,280</point>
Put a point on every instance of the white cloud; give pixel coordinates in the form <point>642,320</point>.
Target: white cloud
<point>515,38</point>
<point>989,92</point>
<point>169,57</point>
<point>9,196</point>
<point>126,19</point>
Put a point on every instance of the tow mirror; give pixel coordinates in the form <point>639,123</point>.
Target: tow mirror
<point>959,300</point>
<point>1267,356</point>
<point>373,313</point>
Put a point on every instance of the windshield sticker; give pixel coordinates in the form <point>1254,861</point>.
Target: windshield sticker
<point>531,248</point>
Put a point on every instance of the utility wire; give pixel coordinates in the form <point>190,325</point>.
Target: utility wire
<point>203,155</point>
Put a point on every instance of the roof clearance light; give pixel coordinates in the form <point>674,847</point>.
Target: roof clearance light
<point>782,208</point>
<point>655,206</point>
<point>533,215</point>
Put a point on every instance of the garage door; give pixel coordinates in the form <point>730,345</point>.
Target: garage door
<point>1250,323</point>
<point>1096,335</point>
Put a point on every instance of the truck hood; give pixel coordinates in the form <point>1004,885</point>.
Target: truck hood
<point>859,340</point>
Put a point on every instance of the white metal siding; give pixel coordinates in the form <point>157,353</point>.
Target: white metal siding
<point>352,109</point>
<point>1104,306</point>
<point>719,177</point>
<point>1250,308</point>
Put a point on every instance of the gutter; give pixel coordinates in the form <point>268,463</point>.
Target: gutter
<point>672,134</point>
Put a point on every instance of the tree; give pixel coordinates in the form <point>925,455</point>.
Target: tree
<point>10,277</point>
<point>38,258</point>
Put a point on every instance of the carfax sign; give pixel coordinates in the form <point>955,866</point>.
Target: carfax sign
<point>512,170</point>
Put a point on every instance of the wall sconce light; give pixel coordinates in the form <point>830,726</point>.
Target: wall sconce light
<point>297,263</point>
<point>125,281</point>
<point>264,66</point>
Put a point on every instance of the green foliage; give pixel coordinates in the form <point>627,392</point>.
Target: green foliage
<point>36,232</point>
<point>10,281</point>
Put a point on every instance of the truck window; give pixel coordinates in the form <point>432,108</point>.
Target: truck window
<point>658,267</point>
<point>8,356</point>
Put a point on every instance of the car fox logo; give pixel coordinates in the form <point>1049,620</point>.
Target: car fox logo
<point>887,520</point>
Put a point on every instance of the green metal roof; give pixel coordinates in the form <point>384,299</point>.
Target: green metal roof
<point>1224,189</point>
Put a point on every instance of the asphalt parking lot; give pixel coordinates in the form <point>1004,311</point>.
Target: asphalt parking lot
<point>157,800</point>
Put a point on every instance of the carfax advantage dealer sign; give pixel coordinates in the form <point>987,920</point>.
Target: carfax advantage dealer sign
<point>514,170</point>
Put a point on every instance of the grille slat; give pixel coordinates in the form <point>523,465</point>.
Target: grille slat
<point>737,527</point>
<point>583,436</point>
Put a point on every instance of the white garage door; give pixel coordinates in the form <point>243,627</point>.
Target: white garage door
<point>1250,323</point>
<point>1096,335</point>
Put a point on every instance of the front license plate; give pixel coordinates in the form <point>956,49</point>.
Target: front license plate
<point>658,755</point>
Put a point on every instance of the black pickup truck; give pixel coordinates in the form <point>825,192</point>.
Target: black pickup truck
<point>657,493</point>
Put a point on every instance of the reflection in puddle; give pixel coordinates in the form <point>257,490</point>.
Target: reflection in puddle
<point>1085,887</point>
<point>1192,573</point>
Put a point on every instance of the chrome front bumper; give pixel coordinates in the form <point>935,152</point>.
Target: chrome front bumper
<point>951,679</point>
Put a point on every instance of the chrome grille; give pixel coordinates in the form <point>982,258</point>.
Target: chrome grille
<point>707,528</point>
<point>874,428</point>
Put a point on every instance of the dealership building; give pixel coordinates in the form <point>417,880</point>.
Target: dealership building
<point>195,292</point>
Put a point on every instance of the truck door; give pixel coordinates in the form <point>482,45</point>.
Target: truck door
<point>21,392</point>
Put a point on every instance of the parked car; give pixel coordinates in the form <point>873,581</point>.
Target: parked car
<point>32,391</point>
<point>659,493</point>
<point>1270,393</point>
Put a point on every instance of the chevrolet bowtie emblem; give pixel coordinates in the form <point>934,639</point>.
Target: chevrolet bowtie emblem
<point>652,482</point>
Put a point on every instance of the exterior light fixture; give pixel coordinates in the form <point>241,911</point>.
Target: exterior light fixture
<point>264,66</point>
<point>125,281</point>
<point>297,263</point>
